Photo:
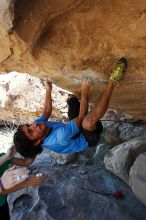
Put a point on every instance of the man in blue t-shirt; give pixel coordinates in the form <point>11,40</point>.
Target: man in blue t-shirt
<point>83,128</point>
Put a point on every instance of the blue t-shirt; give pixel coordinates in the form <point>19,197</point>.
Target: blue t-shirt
<point>60,138</point>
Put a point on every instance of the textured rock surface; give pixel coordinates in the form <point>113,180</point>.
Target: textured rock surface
<point>120,158</point>
<point>61,196</point>
<point>137,177</point>
<point>22,98</point>
<point>120,127</point>
<point>19,59</point>
<point>4,44</point>
<point>7,13</point>
<point>66,40</point>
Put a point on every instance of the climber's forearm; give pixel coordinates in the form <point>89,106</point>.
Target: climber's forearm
<point>22,161</point>
<point>48,104</point>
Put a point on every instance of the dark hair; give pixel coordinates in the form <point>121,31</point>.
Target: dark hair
<point>24,146</point>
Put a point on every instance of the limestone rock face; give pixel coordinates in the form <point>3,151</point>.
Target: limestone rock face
<point>120,159</point>
<point>67,40</point>
<point>22,98</point>
<point>137,177</point>
<point>4,44</point>
<point>62,196</point>
<point>7,13</point>
<point>19,59</point>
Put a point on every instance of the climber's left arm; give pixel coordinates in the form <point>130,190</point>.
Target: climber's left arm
<point>48,100</point>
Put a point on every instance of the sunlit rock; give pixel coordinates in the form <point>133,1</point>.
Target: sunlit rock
<point>4,44</point>
<point>22,98</point>
<point>7,13</point>
<point>120,158</point>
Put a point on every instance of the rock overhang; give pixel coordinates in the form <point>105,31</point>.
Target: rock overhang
<point>67,40</point>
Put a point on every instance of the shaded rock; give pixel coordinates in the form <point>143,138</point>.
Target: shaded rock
<point>137,178</point>
<point>120,158</point>
<point>95,155</point>
<point>120,127</point>
<point>62,196</point>
<point>62,158</point>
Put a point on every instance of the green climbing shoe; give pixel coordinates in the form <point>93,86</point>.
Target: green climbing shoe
<point>119,71</point>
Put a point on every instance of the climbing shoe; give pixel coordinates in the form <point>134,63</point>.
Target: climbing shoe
<point>119,71</point>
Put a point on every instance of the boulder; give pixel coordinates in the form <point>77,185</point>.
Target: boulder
<point>137,178</point>
<point>17,106</point>
<point>61,159</point>
<point>67,194</point>
<point>120,158</point>
<point>120,127</point>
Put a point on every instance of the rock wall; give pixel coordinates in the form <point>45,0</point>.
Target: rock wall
<point>5,44</point>
<point>137,177</point>
<point>128,161</point>
<point>22,99</point>
<point>67,40</point>
<point>7,13</point>
<point>67,194</point>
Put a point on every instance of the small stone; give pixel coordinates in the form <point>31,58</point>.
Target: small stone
<point>82,171</point>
